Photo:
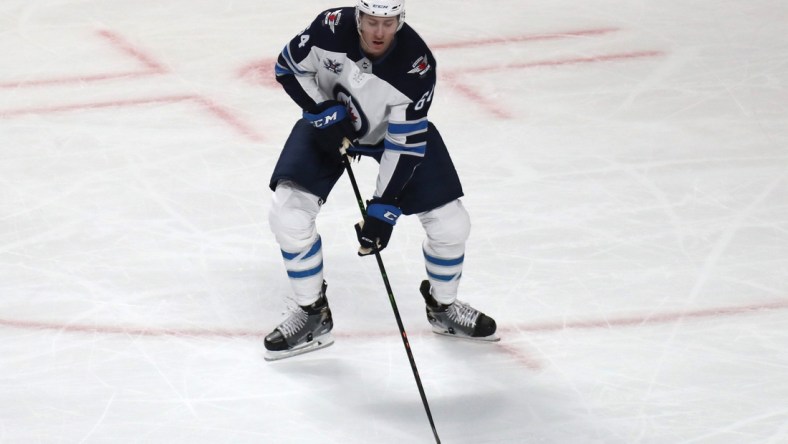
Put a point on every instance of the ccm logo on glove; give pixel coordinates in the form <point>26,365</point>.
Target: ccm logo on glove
<point>374,231</point>
<point>328,117</point>
<point>386,213</point>
<point>332,124</point>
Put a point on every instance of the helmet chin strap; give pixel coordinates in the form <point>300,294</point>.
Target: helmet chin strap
<point>364,46</point>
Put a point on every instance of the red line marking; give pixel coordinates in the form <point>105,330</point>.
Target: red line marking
<point>627,321</point>
<point>125,46</point>
<point>152,67</point>
<point>129,331</point>
<point>524,38</point>
<point>260,72</point>
<point>470,93</point>
<point>571,61</point>
<point>74,79</point>
<point>94,105</point>
<point>494,108</point>
<point>513,351</point>
<point>229,117</point>
<point>523,358</point>
<point>215,109</point>
<point>650,319</point>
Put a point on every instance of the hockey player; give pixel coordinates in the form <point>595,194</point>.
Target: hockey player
<point>364,75</point>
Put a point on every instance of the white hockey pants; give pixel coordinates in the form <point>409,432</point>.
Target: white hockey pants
<point>292,221</point>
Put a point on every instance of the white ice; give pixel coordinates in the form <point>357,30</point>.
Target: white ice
<point>625,165</point>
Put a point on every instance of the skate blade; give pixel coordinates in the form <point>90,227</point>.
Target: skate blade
<point>492,338</point>
<point>314,345</point>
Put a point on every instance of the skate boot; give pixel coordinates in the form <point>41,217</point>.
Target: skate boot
<point>306,329</point>
<point>459,319</point>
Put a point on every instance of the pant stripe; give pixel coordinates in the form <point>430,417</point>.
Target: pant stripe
<point>443,269</point>
<point>305,273</point>
<point>311,252</point>
<point>306,263</point>
<point>444,262</point>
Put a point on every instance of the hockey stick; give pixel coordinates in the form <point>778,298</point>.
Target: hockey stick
<point>346,161</point>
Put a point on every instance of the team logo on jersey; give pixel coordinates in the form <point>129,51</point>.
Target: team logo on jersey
<point>421,66</point>
<point>356,114</point>
<point>332,19</point>
<point>332,65</point>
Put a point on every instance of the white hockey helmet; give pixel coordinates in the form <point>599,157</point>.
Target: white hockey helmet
<point>382,8</point>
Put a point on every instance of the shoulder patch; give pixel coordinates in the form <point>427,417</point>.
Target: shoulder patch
<point>421,66</point>
<point>332,19</point>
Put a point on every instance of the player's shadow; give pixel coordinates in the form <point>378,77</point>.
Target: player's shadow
<point>467,384</point>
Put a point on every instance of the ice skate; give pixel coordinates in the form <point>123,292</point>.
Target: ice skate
<point>306,329</point>
<point>459,319</point>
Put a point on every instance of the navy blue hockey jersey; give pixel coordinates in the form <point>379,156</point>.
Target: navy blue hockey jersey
<point>387,99</point>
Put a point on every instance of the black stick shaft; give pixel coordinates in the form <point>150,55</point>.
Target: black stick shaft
<point>403,334</point>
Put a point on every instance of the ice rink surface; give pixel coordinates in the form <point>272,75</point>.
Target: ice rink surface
<point>625,165</point>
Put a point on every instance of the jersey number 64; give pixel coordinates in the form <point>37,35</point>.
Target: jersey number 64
<point>427,97</point>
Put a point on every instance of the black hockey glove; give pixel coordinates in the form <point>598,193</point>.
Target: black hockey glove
<point>333,124</point>
<point>374,231</point>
